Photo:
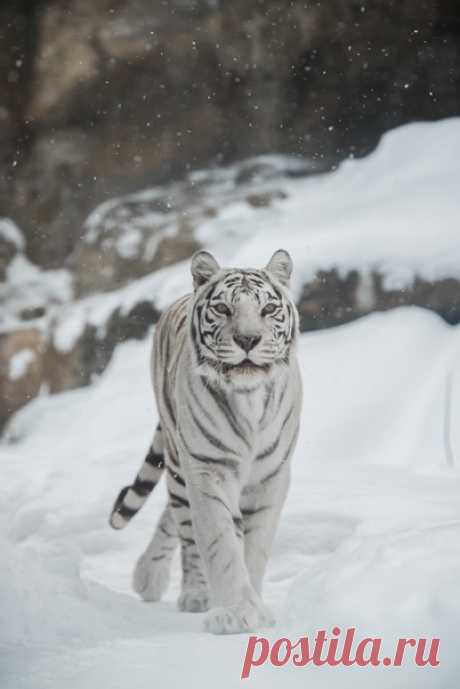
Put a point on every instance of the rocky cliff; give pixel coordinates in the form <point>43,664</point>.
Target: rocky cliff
<point>102,98</point>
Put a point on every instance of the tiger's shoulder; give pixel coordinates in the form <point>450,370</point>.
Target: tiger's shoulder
<point>172,322</point>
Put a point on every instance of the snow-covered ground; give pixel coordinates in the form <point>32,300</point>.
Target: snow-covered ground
<point>369,537</point>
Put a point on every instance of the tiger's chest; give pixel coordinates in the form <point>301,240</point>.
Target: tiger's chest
<point>262,415</point>
<point>248,408</point>
<point>235,429</point>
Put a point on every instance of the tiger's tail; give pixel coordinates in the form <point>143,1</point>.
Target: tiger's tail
<point>131,498</point>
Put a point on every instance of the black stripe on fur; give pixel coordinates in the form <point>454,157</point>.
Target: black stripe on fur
<point>155,459</point>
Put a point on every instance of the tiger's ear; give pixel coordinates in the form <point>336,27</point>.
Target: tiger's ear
<point>280,266</point>
<point>204,266</point>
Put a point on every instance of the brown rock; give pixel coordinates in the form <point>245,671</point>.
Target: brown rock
<point>130,240</point>
<point>265,199</point>
<point>28,359</point>
<point>330,299</point>
<point>21,371</point>
<point>93,350</point>
<point>441,296</point>
<point>333,299</point>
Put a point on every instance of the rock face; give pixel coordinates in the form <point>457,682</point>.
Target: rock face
<point>127,238</point>
<point>100,300</point>
<point>14,58</point>
<point>31,358</point>
<point>11,243</point>
<point>53,193</point>
<point>332,299</point>
<point>92,350</point>
<point>102,98</point>
<point>136,235</point>
<point>60,328</point>
<point>21,370</point>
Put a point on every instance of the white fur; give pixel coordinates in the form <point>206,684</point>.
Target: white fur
<point>229,434</point>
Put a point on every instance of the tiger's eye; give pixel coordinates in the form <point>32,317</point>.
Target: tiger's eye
<point>268,309</point>
<point>222,308</point>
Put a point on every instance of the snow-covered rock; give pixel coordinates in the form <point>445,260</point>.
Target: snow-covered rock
<point>132,236</point>
<point>11,243</point>
<point>21,369</point>
<point>379,232</point>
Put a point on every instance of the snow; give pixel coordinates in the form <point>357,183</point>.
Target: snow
<point>19,363</point>
<point>28,287</point>
<point>160,288</point>
<point>369,535</point>
<point>368,538</point>
<point>395,211</point>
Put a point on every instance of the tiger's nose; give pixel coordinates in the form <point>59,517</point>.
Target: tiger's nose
<point>247,342</point>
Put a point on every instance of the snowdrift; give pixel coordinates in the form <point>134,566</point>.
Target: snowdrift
<point>369,536</point>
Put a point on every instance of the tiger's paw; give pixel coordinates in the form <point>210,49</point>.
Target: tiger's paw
<point>195,600</point>
<point>239,618</point>
<point>150,578</point>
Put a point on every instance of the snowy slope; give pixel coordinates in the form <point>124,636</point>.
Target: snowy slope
<point>371,530</point>
<point>395,211</point>
<point>369,536</point>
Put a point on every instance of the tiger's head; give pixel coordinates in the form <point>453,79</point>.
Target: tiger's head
<point>243,321</point>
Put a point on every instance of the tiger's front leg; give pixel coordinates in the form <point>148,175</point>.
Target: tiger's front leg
<point>194,596</point>
<point>261,507</point>
<point>214,497</point>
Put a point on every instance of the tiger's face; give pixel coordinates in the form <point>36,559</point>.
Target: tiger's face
<point>243,321</point>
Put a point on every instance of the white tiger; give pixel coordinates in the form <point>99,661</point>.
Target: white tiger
<point>228,390</point>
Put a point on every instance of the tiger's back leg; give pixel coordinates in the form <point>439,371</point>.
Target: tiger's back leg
<point>151,574</point>
<point>194,595</point>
